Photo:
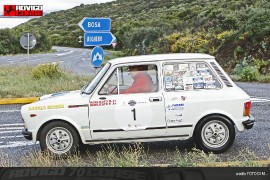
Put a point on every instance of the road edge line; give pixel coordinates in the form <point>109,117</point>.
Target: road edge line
<point>4,101</point>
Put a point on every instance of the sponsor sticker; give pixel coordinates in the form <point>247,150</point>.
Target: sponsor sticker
<point>103,103</point>
<point>207,78</point>
<point>40,108</point>
<point>175,107</point>
<point>174,121</point>
<point>192,66</point>
<point>183,67</point>
<point>209,86</point>
<point>132,103</point>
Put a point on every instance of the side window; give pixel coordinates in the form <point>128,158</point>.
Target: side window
<point>189,76</point>
<point>132,79</point>
<point>110,87</point>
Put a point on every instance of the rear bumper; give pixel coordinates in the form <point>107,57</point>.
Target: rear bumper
<point>248,124</point>
<point>27,135</point>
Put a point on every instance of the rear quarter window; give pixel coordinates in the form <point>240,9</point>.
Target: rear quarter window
<point>189,76</point>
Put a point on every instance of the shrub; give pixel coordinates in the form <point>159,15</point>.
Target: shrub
<point>51,70</point>
<point>249,73</point>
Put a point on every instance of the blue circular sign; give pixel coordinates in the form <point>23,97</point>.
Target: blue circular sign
<point>97,56</point>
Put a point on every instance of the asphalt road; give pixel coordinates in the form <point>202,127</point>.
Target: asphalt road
<point>77,60</point>
<point>255,140</point>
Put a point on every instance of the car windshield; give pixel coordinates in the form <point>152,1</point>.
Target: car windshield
<point>88,88</point>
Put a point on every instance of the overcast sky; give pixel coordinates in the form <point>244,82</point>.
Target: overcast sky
<point>49,5</point>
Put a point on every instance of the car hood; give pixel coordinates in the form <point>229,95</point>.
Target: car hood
<point>59,94</point>
<point>61,99</point>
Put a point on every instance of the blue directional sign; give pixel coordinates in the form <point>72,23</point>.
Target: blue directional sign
<point>98,39</point>
<point>95,24</point>
<point>97,56</point>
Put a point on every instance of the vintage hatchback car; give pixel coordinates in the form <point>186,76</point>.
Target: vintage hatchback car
<point>144,98</point>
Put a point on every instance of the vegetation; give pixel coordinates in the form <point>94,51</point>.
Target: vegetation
<point>10,38</point>
<point>132,155</point>
<point>231,30</point>
<point>28,81</point>
<point>51,70</point>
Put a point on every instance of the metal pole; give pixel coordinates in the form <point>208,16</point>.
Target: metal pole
<point>28,44</point>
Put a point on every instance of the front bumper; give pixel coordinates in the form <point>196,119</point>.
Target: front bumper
<point>248,124</point>
<point>27,135</point>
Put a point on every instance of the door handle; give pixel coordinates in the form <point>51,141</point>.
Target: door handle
<point>102,98</point>
<point>155,99</point>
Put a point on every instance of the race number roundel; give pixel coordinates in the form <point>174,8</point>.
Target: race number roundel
<point>134,114</point>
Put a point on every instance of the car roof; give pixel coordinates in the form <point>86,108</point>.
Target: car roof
<point>161,57</point>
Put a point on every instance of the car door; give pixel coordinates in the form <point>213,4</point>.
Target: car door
<point>117,113</point>
<point>191,89</point>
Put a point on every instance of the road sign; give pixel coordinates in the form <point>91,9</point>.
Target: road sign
<point>97,56</point>
<point>98,39</point>
<point>95,24</point>
<point>28,41</point>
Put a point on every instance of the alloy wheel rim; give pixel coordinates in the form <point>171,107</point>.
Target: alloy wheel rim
<point>59,140</point>
<point>215,134</point>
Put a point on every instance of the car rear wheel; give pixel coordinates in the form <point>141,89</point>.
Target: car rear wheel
<point>59,138</point>
<point>214,134</point>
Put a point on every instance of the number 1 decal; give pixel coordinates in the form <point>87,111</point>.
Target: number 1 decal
<point>134,114</point>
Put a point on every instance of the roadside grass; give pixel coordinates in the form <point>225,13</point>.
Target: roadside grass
<point>6,160</point>
<point>46,159</point>
<point>132,155</point>
<point>195,158</point>
<point>18,82</point>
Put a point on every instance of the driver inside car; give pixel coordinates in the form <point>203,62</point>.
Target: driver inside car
<point>142,82</point>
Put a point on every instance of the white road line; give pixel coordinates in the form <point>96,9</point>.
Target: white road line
<point>60,62</point>
<point>10,128</point>
<point>258,99</point>
<point>3,132</point>
<point>16,144</point>
<point>15,124</point>
<point>7,111</point>
<point>11,137</point>
<point>65,53</point>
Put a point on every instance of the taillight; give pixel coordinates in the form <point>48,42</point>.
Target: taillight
<point>247,107</point>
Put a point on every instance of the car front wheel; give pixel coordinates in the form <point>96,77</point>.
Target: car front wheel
<point>59,138</point>
<point>214,134</point>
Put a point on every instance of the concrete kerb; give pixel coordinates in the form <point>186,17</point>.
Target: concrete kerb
<point>4,101</point>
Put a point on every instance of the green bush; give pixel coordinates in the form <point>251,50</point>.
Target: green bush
<point>51,70</point>
<point>249,73</point>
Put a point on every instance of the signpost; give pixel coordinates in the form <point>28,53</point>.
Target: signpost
<point>97,33</point>
<point>28,41</point>
<point>95,24</point>
<point>98,39</point>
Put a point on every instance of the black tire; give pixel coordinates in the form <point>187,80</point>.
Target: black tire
<point>219,128</point>
<point>65,136</point>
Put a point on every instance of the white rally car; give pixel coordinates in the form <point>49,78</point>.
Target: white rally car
<point>144,98</point>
